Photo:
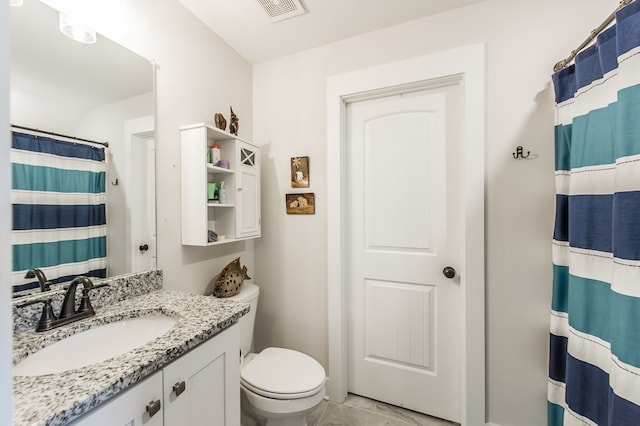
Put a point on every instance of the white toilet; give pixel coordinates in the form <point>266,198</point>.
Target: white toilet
<point>280,385</point>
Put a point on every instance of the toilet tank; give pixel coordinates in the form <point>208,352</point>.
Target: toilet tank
<point>248,294</point>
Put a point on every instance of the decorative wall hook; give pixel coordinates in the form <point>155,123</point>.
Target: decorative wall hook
<point>114,182</point>
<point>518,155</point>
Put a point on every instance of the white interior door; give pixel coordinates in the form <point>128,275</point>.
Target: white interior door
<point>140,190</point>
<point>403,219</point>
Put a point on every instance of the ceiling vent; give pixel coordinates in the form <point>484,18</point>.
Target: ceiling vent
<point>282,9</point>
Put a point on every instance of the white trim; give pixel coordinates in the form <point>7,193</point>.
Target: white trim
<point>6,320</point>
<point>468,63</point>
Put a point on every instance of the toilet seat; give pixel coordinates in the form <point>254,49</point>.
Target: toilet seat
<point>280,373</point>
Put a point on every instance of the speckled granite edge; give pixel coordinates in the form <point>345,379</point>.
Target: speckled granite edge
<point>119,288</point>
<point>57,399</point>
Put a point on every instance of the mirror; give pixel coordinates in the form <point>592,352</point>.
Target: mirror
<point>102,92</point>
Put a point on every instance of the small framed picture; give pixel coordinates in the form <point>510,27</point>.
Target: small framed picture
<point>299,172</point>
<point>300,203</point>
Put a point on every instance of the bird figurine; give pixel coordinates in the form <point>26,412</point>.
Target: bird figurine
<point>233,125</point>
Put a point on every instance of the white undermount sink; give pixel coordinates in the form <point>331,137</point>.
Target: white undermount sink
<point>95,345</point>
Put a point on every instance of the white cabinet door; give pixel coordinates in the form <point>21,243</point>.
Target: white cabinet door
<point>203,386</point>
<point>130,407</point>
<point>248,191</point>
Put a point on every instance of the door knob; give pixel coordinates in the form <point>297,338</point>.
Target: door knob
<point>449,272</point>
<point>144,247</point>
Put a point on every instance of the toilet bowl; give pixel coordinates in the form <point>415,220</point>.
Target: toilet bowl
<point>280,386</point>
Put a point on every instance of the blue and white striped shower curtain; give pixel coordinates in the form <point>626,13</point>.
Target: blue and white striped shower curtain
<point>58,205</point>
<point>594,361</point>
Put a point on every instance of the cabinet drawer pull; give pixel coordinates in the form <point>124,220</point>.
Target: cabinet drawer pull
<point>179,387</point>
<point>153,407</point>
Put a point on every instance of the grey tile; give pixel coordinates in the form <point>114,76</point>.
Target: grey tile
<point>394,413</point>
<point>359,411</point>
<point>344,415</point>
<point>357,401</point>
<point>313,418</point>
<point>248,419</point>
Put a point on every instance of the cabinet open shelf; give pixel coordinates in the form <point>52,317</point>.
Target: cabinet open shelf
<point>215,169</point>
<point>219,205</point>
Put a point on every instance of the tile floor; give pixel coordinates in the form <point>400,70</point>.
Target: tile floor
<point>359,411</point>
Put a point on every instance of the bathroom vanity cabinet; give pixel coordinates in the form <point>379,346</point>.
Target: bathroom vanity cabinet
<point>237,217</point>
<point>129,408</point>
<point>201,387</point>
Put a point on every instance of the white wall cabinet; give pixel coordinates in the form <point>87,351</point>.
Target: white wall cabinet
<point>237,218</point>
<point>200,388</point>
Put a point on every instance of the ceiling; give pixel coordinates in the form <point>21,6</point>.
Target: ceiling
<point>246,27</point>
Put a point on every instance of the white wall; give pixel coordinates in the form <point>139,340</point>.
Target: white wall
<point>54,115</point>
<point>5,225</point>
<point>107,123</point>
<point>198,75</point>
<point>523,42</point>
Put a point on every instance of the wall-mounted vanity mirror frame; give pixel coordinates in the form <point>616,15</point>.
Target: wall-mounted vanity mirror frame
<point>101,92</point>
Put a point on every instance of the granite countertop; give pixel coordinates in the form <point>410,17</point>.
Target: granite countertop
<point>56,399</point>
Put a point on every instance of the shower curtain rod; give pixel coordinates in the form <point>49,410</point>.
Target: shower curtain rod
<point>560,65</point>
<point>105,144</point>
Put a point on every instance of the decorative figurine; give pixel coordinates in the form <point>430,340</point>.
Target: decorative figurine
<point>220,121</point>
<point>233,125</point>
<point>231,279</point>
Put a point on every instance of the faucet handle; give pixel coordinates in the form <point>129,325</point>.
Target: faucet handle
<point>85,303</point>
<point>46,318</point>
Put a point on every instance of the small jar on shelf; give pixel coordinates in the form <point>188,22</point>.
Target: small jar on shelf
<point>222,193</point>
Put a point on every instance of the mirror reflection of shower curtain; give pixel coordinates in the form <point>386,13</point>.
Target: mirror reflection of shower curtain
<point>594,360</point>
<point>58,204</point>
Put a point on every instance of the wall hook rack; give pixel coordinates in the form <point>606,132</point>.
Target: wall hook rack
<point>519,154</point>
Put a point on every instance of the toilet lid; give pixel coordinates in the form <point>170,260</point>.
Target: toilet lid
<point>283,374</point>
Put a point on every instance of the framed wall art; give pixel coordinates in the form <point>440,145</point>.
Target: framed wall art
<point>300,203</point>
<point>299,172</point>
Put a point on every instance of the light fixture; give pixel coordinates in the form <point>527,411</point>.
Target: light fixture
<point>15,2</point>
<point>76,30</point>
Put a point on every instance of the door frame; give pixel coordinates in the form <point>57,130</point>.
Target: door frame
<point>467,66</point>
<point>136,130</point>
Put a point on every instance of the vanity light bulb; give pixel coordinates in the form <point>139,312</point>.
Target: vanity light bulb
<point>76,30</point>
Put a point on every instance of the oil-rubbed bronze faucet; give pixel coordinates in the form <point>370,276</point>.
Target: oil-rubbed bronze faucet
<point>45,285</point>
<point>69,305</point>
<point>68,313</point>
